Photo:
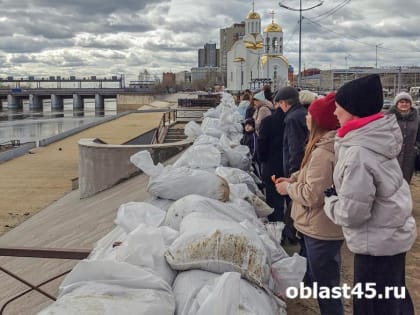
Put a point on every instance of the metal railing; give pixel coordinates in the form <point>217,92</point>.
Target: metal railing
<point>168,118</point>
<point>51,253</point>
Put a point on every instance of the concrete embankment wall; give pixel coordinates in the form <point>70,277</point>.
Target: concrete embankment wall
<point>18,151</point>
<point>102,165</point>
<point>132,101</point>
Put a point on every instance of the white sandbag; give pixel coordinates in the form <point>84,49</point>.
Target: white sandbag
<point>103,248</point>
<point>288,272</point>
<point>143,161</point>
<point>201,156</point>
<point>241,191</point>
<point>237,155</point>
<point>196,203</point>
<point>237,176</point>
<point>145,247</point>
<point>192,130</point>
<point>211,126</point>
<point>206,139</point>
<point>132,214</point>
<point>209,293</point>
<point>212,113</point>
<point>176,182</point>
<point>108,287</point>
<point>160,203</point>
<point>219,246</point>
<point>103,299</point>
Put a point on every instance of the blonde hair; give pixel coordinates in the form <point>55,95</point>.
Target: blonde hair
<point>315,134</point>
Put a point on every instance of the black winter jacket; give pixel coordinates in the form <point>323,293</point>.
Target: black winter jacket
<point>294,139</point>
<point>270,144</point>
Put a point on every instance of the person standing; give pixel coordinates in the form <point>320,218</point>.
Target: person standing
<point>270,156</point>
<point>263,108</point>
<point>371,200</point>
<point>408,120</point>
<point>294,139</point>
<point>322,239</point>
<point>243,105</point>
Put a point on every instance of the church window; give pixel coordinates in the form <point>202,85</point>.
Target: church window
<point>231,76</point>
<point>267,44</point>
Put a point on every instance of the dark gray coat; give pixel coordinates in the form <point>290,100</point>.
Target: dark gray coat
<point>410,130</point>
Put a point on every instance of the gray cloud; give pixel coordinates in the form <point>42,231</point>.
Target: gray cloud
<point>103,36</point>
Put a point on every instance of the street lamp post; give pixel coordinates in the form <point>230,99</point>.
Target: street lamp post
<point>345,58</point>
<point>376,55</point>
<point>300,31</point>
<point>241,60</point>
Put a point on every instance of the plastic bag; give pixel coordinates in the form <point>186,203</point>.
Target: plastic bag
<point>237,176</point>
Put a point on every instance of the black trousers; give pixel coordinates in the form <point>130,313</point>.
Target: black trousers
<point>274,200</point>
<point>323,259</point>
<point>384,272</point>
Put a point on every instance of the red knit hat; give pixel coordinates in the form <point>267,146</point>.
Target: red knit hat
<point>322,112</point>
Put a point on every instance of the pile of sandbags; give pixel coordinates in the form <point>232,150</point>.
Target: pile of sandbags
<point>199,245</point>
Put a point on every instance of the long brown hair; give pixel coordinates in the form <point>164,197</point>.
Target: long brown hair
<point>315,134</point>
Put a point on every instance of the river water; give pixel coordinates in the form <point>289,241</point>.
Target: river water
<point>26,125</point>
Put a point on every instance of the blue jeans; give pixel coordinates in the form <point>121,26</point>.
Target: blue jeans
<point>323,266</point>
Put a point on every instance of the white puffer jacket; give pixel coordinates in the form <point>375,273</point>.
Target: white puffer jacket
<point>374,204</point>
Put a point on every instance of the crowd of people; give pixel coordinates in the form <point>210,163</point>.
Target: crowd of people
<point>337,168</point>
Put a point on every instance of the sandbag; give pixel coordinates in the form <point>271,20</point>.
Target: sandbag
<point>201,156</point>
<point>195,203</point>
<point>176,182</point>
<point>108,287</point>
<point>288,272</point>
<point>145,247</point>
<point>237,176</point>
<point>192,130</point>
<point>132,214</point>
<point>219,246</point>
<point>206,293</point>
<point>241,191</point>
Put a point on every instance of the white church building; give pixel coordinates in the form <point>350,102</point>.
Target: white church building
<point>257,59</point>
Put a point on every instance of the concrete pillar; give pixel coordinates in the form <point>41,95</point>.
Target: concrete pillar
<point>57,102</point>
<point>78,102</point>
<point>14,102</point>
<point>35,102</point>
<point>99,101</point>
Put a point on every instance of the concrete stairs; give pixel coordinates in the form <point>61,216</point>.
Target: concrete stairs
<point>175,133</point>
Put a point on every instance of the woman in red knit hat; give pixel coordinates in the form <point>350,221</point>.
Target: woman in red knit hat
<point>322,239</point>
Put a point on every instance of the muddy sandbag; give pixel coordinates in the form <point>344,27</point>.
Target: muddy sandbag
<point>220,246</point>
<point>237,176</point>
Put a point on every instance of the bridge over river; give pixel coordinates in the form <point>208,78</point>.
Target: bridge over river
<point>16,96</point>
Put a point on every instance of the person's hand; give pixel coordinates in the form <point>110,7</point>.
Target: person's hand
<point>281,187</point>
<point>280,179</point>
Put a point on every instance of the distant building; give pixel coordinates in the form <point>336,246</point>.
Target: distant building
<point>183,78</point>
<point>168,79</point>
<point>204,78</point>
<point>208,56</point>
<point>228,36</point>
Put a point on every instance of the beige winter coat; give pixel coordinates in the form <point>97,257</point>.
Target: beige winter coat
<point>261,112</point>
<point>307,192</point>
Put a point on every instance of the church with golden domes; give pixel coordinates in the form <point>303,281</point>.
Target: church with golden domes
<point>257,59</point>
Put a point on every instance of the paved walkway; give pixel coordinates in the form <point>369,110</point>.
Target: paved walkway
<point>33,181</point>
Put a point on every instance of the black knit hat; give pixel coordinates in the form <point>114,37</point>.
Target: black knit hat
<point>361,97</point>
<point>286,93</point>
<point>250,121</point>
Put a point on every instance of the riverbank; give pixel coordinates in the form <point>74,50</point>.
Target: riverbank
<point>33,181</point>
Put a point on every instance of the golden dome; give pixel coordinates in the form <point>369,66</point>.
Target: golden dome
<point>253,16</point>
<point>273,27</point>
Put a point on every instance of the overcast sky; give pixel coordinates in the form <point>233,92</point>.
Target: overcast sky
<point>106,37</point>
